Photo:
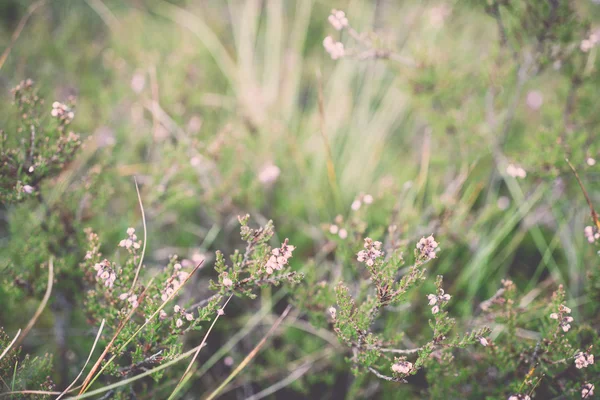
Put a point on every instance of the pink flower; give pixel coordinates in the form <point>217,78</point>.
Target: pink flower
<point>587,390</point>
<point>335,49</point>
<point>582,360</point>
<point>333,312</point>
<point>269,174</point>
<point>371,253</point>
<point>427,247</point>
<point>402,367</point>
<point>338,19</point>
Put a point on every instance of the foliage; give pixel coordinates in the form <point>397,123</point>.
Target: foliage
<point>441,127</point>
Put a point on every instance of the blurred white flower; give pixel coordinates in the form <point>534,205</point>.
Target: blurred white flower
<point>269,174</point>
<point>516,171</point>
<point>335,49</point>
<point>138,82</point>
<point>535,100</point>
<point>338,19</point>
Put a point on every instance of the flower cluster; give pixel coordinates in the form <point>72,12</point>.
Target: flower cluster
<point>106,273</point>
<point>338,19</point>
<point>182,314</point>
<point>363,198</point>
<point>519,397</point>
<point>131,240</point>
<point>371,252</point>
<point>279,257</point>
<point>592,234</point>
<point>587,44</point>
<point>515,171</point>
<point>436,300</point>
<point>427,247</point>
<point>334,48</point>
<point>336,230</point>
<point>402,367</point>
<point>268,174</point>
<point>62,112</point>
<point>174,282</point>
<point>132,299</point>
<point>587,391</point>
<point>227,282</point>
<point>582,360</point>
<point>564,319</point>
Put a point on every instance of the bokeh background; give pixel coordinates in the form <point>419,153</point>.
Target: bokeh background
<point>221,108</point>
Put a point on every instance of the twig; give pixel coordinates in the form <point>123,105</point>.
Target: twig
<point>42,305</point>
<point>40,392</point>
<point>32,8</point>
<point>400,351</point>
<point>86,362</point>
<point>585,194</point>
<point>154,358</point>
<point>10,345</point>
<point>137,272</point>
<point>385,377</point>
<point>251,355</point>
<point>187,372</point>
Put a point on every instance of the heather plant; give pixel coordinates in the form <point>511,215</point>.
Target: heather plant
<point>362,131</point>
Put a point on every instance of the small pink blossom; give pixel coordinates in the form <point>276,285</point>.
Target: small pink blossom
<point>178,323</point>
<point>587,390</point>
<point>402,367</point>
<point>338,19</point>
<point>335,49</point>
<point>582,360</point>
<point>269,174</point>
<point>371,253</point>
<point>333,312</point>
<point>279,257</point>
<point>343,234</point>
<point>534,100</point>
<point>427,247</point>
<point>592,234</point>
<point>515,171</point>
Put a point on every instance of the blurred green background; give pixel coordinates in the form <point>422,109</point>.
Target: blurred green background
<point>197,98</point>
